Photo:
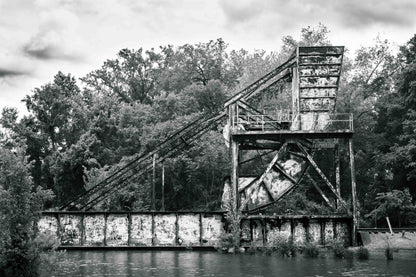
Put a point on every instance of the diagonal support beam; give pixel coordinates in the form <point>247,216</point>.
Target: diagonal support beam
<point>321,174</point>
<point>319,190</point>
<point>283,171</point>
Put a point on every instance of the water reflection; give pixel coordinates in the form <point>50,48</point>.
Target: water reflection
<point>187,263</point>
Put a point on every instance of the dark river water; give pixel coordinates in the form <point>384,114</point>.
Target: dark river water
<point>193,263</point>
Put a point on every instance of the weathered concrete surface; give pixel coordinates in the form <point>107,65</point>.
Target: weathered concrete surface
<point>302,229</point>
<point>299,234</point>
<point>189,229</point>
<point>257,232</point>
<point>70,229</point>
<point>164,229</point>
<point>173,229</point>
<point>314,232</point>
<point>48,225</point>
<point>212,229</point>
<point>117,233</point>
<point>329,232</point>
<point>141,230</point>
<point>342,232</point>
<point>94,229</point>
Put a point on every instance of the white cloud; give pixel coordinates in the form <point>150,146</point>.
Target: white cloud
<point>38,38</point>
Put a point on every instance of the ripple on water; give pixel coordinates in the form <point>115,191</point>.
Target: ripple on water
<point>205,264</point>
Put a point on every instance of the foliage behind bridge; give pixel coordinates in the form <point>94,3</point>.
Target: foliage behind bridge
<point>76,131</point>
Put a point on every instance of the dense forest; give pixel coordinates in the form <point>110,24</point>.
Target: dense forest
<point>78,130</point>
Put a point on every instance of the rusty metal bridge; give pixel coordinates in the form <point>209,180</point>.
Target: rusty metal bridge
<point>291,136</point>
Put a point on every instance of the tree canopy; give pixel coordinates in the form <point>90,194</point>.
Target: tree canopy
<point>78,130</point>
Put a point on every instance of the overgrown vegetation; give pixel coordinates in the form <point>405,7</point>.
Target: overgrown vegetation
<point>363,253</point>
<point>340,250</point>
<point>76,132</point>
<point>311,250</point>
<point>20,247</point>
<point>285,246</point>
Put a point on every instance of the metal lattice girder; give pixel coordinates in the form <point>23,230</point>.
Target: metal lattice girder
<point>322,175</point>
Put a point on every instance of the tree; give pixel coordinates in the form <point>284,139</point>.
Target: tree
<point>397,205</point>
<point>19,207</point>
<point>131,76</point>
<point>57,119</point>
<point>397,121</point>
<point>57,110</point>
<point>309,36</point>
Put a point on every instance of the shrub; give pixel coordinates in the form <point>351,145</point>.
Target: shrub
<point>231,240</point>
<point>253,249</point>
<point>363,253</point>
<point>226,242</point>
<point>311,250</point>
<point>284,246</point>
<point>340,251</point>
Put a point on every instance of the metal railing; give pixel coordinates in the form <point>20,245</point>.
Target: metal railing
<point>287,121</point>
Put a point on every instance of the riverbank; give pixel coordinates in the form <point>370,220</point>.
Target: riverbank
<point>375,239</point>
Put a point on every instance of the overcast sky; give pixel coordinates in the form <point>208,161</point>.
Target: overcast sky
<point>40,37</point>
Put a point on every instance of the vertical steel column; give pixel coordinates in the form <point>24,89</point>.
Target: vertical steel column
<point>337,170</point>
<point>295,94</point>
<point>163,186</point>
<point>154,184</point>
<point>354,194</point>
<point>82,239</point>
<point>105,228</point>
<point>129,219</point>
<point>234,156</point>
<point>234,173</point>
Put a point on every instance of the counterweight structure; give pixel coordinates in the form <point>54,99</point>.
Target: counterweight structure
<point>292,135</point>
